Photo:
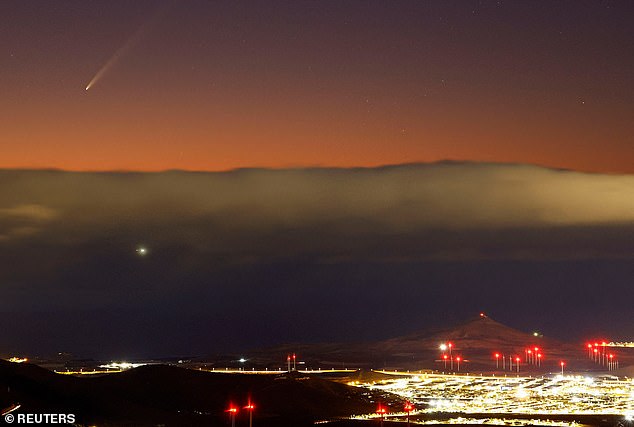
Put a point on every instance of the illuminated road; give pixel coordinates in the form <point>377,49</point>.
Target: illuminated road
<point>219,371</point>
<point>621,344</point>
<point>310,371</point>
<point>471,394</point>
<point>89,372</point>
<point>10,409</point>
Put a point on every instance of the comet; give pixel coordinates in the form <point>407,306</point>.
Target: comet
<point>111,62</point>
<point>130,43</point>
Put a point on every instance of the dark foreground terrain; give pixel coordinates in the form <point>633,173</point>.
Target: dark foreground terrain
<point>172,396</point>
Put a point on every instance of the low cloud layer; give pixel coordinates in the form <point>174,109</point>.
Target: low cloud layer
<point>410,197</point>
<point>69,239</point>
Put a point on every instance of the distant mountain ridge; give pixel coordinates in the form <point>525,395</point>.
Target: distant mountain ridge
<point>475,333</point>
<point>477,337</point>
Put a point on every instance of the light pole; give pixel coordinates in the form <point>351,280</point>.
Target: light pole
<point>497,361</point>
<point>408,408</point>
<point>443,348</point>
<point>589,351</point>
<point>517,362</point>
<point>562,363</point>
<point>381,411</point>
<point>232,414</point>
<point>458,360</point>
<point>250,407</point>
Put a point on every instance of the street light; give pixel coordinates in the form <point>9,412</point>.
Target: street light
<point>517,360</point>
<point>458,360</point>
<point>589,351</point>
<point>497,360</point>
<point>250,407</point>
<point>232,414</point>
<point>444,356</point>
<point>408,408</point>
<point>381,411</point>
<point>562,363</point>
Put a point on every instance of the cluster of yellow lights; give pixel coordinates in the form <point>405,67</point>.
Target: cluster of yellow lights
<point>475,394</point>
<point>483,421</point>
<point>18,359</point>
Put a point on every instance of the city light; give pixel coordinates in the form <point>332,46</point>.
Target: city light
<point>475,394</point>
<point>121,366</point>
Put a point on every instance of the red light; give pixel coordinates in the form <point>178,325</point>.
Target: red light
<point>458,358</point>
<point>381,410</point>
<point>530,351</point>
<point>611,356</point>
<point>232,409</point>
<point>444,356</point>
<point>497,355</point>
<point>294,356</point>
<point>481,314</point>
<point>539,355</point>
<point>517,359</point>
<point>409,407</point>
<point>450,344</point>
<point>536,348</point>
<point>562,363</point>
<point>589,345</point>
<point>250,406</point>
<point>596,351</point>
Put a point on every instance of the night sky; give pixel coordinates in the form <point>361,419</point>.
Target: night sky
<point>311,171</point>
<point>206,85</point>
